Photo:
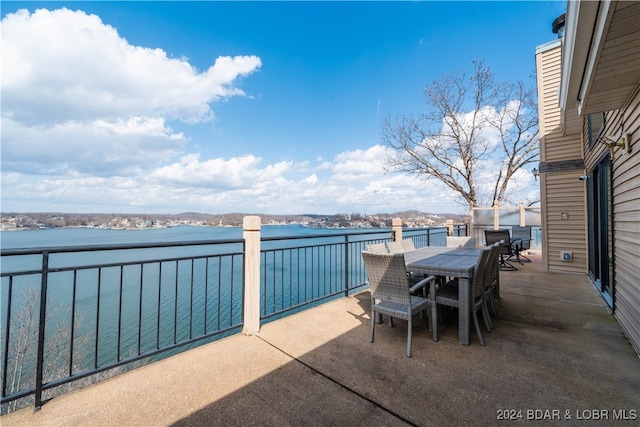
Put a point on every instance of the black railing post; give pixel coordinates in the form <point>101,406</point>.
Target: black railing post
<point>429,236</point>
<point>41,329</point>
<point>346,265</point>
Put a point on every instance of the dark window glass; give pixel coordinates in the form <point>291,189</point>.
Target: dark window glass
<point>596,126</point>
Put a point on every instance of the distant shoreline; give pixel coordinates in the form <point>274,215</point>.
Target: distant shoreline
<point>11,221</point>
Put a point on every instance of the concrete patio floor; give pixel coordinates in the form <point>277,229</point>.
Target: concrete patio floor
<point>556,356</point>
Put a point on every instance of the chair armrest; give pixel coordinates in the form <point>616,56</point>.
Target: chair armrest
<point>515,242</point>
<point>421,284</point>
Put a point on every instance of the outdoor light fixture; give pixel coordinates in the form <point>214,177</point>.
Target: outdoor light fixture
<point>622,142</point>
<point>535,173</point>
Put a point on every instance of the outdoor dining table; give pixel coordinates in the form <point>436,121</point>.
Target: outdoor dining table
<point>455,262</point>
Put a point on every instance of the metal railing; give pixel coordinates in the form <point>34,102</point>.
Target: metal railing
<point>72,313</point>
<point>70,317</point>
<point>306,270</point>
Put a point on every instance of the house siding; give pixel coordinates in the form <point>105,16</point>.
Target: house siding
<point>599,60</point>
<point>562,194</point>
<point>626,215</point>
<point>566,222</point>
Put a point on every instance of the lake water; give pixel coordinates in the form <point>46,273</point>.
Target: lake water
<point>95,236</point>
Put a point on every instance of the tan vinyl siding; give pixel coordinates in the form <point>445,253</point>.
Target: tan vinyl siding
<point>548,83</point>
<point>616,70</point>
<point>626,221</point>
<point>561,191</point>
<point>626,213</point>
<point>602,63</point>
<point>565,195</point>
<point>548,66</point>
<point>619,58</point>
<point>554,145</point>
<point>559,149</point>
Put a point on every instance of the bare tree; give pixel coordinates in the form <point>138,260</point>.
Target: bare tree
<point>23,341</point>
<point>475,136</point>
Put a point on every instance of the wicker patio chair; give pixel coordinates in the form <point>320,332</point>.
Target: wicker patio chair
<point>398,247</point>
<point>390,291</point>
<point>493,236</point>
<point>395,247</point>
<point>378,248</point>
<point>449,296</point>
<point>491,279</point>
<point>407,245</point>
<point>461,241</point>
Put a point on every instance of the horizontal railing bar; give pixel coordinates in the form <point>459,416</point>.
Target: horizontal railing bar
<point>114,247</point>
<point>322,236</point>
<point>319,245</point>
<point>19,395</point>
<point>118,264</point>
<point>21,273</point>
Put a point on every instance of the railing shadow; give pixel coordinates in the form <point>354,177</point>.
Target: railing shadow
<point>545,356</point>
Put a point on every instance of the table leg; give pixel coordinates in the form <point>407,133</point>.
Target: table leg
<point>464,311</point>
<point>434,310</point>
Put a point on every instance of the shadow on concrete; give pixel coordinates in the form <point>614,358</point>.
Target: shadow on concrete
<point>556,355</point>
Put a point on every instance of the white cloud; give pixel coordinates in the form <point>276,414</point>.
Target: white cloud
<point>98,146</point>
<point>86,127</point>
<point>84,68</point>
<point>76,96</point>
<point>232,185</point>
<point>235,173</point>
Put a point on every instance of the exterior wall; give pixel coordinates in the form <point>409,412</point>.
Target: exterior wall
<point>565,222</point>
<point>626,215</point>
<point>600,73</point>
<point>563,196</point>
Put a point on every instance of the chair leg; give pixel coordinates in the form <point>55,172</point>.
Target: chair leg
<point>373,324</point>
<point>492,303</point>
<point>477,326</point>
<point>485,316</point>
<point>496,289</point>
<point>434,321</point>
<point>504,265</point>
<point>409,329</point>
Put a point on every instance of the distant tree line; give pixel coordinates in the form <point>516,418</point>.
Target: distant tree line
<point>57,220</point>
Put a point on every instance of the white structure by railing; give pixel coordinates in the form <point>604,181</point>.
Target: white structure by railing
<point>251,235</point>
<point>497,217</point>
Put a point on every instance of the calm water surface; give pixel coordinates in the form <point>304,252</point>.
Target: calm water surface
<point>93,236</point>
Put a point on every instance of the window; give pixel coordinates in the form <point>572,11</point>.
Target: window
<point>595,124</point>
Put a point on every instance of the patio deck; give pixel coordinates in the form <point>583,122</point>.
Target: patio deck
<point>555,351</point>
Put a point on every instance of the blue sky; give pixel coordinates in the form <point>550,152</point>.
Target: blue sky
<point>115,106</point>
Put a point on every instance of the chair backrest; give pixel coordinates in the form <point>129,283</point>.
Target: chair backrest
<point>387,277</point>
<point>493,236</point>
<point>523,234</point>
<point>477,287</point>
<point>492,269</point>
<point>395,247</point>
<point>407,245</point>
<point>464,241</point>
<point>378,248</point>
